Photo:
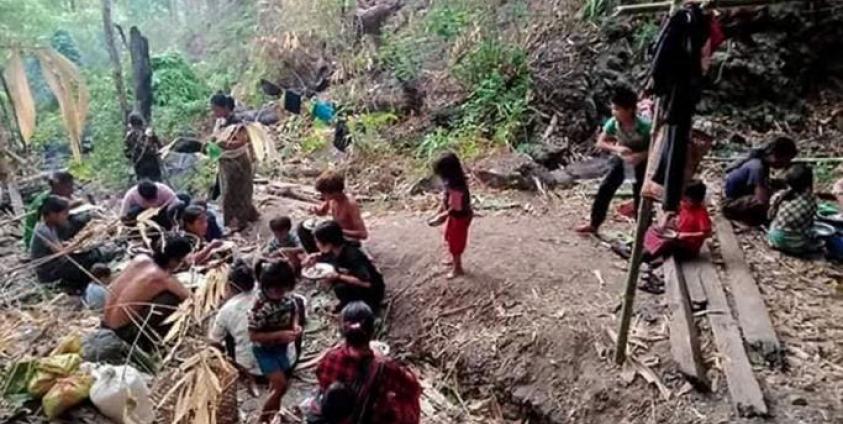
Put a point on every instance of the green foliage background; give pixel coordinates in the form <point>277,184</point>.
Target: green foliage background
<point>229,47</point>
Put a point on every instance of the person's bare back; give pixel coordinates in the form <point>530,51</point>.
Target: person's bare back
<point>347,213</point>
<point>135,287</point>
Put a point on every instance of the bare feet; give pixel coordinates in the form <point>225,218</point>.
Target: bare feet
<point>585,229</point>
<point>627,209</point>
<point>652,190</point>
<point>454,274</point>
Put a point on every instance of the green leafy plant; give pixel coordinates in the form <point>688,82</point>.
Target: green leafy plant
<point>824,172</point>
<point>465,142</point>
<point>434,142</point>
<point>403,56</point>
<point>109,167</point>
<point>199,182</point>
<point>180,95</point>
<point>313,141</point>
<point>645,35</point>
<point>595,9</point>
<point>447,20</point>
<point>498,79</point>
<point>63,43</point>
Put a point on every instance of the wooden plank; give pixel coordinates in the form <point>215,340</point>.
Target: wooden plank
<point>684,340</point>
<point>15,198</point>
<point>744,390</point>
<point>749,304</point>
<point>692,273</point>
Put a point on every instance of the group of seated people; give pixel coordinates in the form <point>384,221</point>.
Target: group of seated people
<point>787,207</point>
<point>261,323</point>
<point>48,232</point>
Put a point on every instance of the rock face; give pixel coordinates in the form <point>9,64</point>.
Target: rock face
<point>179,168</point>
<point>187,145</point>
<point>776,58</point>
<point>588,169</point>
<point>103,346</point>
<point>266,115</point>
<point>519,172</point>
<point>548,155</point>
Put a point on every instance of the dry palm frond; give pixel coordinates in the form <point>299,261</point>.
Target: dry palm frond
<point>145,222</point>
<point>204,302</point>
<point>21,95</point>
<point>261,140</point>
<point>10,332</point>
<point>97,230</point>
<point>65,82</point>
<point>198,393</point>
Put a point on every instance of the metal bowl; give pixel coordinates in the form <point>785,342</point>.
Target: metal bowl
<point>824,230</point>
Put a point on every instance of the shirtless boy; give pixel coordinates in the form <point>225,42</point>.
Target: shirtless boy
<point>340,206</point>
<point>146,291</point>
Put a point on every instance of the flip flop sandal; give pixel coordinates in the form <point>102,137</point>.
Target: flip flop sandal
<point>651,288</point>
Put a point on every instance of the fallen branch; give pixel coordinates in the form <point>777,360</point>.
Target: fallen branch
<point>795,160</point>
<point>663,6</point>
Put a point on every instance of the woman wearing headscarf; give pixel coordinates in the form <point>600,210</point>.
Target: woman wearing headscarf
<point>236,165</point>
<point>360,385</point>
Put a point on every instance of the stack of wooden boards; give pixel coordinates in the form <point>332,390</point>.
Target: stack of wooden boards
<point>743,332</point>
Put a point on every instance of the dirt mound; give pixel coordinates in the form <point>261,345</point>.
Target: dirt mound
<point>527,334</point>
<point>523,329</point>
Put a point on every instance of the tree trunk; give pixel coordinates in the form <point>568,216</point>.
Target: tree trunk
<point>172,7</point>
<point>114,56</point>
<point>5,169</point>
<point>9,115</point>
<point>142,72</point>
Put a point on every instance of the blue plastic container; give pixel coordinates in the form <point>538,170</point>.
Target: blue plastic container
<point>323,111</point>
<point>834,247</point>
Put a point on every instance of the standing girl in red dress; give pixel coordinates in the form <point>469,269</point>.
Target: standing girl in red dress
<point>455,211</point>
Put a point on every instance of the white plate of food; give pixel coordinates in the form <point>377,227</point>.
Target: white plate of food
<point>836,219</point>
<point>669,233</point>
<point>436,221</point>
<point>380,347</point>
<point>318,271</point>
<point>823,230</point>
<point>310,224</point>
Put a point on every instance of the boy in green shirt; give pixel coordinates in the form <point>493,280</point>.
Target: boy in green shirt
<point>627,136</point>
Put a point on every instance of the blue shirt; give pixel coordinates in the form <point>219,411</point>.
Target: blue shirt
<point>95,295</point>
<point>743,180</point>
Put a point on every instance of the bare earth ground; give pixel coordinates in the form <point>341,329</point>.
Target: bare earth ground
<point>527,328</point>
<point>526,336</point>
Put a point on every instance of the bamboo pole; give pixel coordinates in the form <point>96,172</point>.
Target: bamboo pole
<point>645,8</point>
<point>795,160</point>
<point>645,215</point>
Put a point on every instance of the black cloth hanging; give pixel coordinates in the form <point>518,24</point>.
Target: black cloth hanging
<point>292,102</point>
<point>677,79</point>
<point>342,135</point>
